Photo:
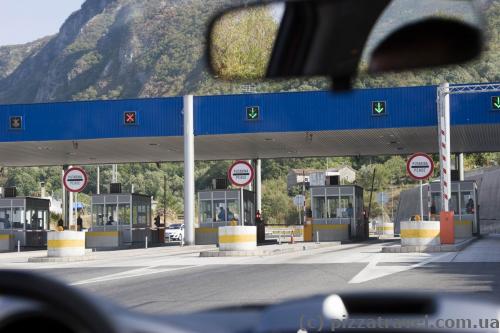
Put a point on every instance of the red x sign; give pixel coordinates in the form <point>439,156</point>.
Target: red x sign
<point>130,118</point>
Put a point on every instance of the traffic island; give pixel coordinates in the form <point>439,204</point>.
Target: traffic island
<point>64,246</point>
<point>458,246</point>
<point>271,250</point>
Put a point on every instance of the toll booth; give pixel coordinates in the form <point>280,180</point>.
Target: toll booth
<point>463,202</point>
<point>24,219</point>
<point>119,220</point>
<point>218,208</point>
<point>337,213</point>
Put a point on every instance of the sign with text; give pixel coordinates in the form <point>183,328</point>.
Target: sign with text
<point>75,179</point>
<point>420,166</point>
<point>240,173</point>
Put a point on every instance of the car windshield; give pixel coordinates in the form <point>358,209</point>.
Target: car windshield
<point>114,130</point>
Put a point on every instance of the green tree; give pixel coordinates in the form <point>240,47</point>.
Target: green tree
<point>242,42</point>
<point>277,206</point>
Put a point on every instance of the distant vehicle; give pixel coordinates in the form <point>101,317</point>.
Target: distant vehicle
<point>175,232</point>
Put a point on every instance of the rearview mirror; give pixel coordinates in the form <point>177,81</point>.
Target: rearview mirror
<point>334,37</point>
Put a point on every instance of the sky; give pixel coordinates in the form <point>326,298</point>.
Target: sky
<point>23,21</point>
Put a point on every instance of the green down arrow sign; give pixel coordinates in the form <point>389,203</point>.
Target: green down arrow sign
<point>495,102</point>
<point>378,108</point>
<point>252,113</point>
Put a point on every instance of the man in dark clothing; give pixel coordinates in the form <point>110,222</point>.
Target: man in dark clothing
<point>157,221</point>
<point>79,223</point>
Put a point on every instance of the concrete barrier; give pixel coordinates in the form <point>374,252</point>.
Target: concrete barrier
<point>7,242</point>
<point>386,229</point>
<point>330,232</point>
<point>463,229</point>
<point>65,244</point>
<point>237,238</point>
<point>206,236</point>
<point>103,239</point>
<point>420,233</point>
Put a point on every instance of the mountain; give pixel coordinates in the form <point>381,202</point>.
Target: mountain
<point>141,48</point>
<point>111,49</point>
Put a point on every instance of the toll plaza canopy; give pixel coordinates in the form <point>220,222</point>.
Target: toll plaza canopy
<point>362,122</point>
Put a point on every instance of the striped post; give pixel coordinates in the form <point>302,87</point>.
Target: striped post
<point>444,144</point>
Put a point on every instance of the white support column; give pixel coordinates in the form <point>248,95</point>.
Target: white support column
<point>70,209</point>
<point>444,144</point>
<point>188,170</point>
<point>258,184</point>
<point>114,175</point>
<point>461,166</point>
<point>64,197</point>
<point>250,186</point>
<point>98,179</point>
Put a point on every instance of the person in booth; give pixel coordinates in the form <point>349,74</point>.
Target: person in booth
<point>222,214</point>
<point>469,207</point>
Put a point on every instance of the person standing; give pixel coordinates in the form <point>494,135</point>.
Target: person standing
<point>79,223</point>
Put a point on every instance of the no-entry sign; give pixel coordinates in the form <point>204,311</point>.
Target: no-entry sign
<point>75,179</point>
<point>420,166</point>
<point>240,173</point>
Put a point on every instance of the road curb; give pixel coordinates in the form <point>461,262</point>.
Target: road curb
<point>61,259</point>
<point>429,249</point>
<point>266,252</point>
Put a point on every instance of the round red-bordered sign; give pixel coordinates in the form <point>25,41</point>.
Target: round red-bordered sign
<point>420,166</point>
<point>75,179</point>
<point>240,173</point>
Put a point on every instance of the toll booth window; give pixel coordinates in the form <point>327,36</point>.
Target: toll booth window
<point>454,203</point>
<point>332,207</point>
<point>467,204</point>
<point>249,215</point>
<point>17,218</point>
<point>233,209</point>
<point>206,212</point>
<point>141,214</point>
<point>111,214</point>
<point>319,207</point>
<point>435,203</point>
<point>346,206</point>
<point>98,215</point>
<point>37,220</point>
<point>220,210</point>
<point>5,220</point>
<point>124,214</point>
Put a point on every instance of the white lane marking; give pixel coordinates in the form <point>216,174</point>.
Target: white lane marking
<point>129,274</point>
<point>372,271</point>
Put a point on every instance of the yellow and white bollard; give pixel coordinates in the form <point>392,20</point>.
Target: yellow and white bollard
<point>238,238</point>
<point>65,244</point>
<point>420,233</point>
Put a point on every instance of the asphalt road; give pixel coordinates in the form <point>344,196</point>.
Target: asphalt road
<point>177,280</point>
